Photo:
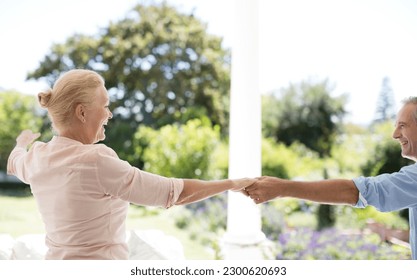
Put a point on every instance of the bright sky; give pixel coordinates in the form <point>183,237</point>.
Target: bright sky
<point>353,43</point>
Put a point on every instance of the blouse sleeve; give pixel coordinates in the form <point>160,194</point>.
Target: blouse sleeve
<point>16,164</point>
<point>119,179</point>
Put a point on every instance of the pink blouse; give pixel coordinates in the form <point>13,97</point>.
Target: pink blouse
<point>83,193</point>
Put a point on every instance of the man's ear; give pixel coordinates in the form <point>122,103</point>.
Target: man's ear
<point>80,112</point>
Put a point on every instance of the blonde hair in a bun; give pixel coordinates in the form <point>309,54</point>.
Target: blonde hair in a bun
<point>44,97</point>
<point>72,88</point>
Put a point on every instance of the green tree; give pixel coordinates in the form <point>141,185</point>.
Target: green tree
<point>309,114</point>
<point>359,143</point>
<point>387,152</point>
<point>385,108</point>
<point>270,115</point>
<point>160,67</point>
<point>17,112</point>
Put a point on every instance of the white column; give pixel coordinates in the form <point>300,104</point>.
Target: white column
<point>244,234</point>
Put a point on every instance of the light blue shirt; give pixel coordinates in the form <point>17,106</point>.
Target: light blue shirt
<point>392,192</point>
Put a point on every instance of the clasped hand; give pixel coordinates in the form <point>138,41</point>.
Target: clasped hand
<point>251,187</point>
<point>263,189</point>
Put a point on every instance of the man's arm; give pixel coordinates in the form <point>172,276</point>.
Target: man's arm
<point>335,191</point>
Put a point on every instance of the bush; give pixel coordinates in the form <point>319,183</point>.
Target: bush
<point>179,151</point>
<point>14,189</point>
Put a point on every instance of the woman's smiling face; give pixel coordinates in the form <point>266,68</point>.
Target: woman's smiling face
<point>97,116</point>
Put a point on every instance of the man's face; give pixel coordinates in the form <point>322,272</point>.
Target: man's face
<point>406,131</point>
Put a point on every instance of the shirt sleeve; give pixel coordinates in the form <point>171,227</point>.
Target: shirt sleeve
<point>119,179</point>
<point>389,192</point>
<point>16,164</point>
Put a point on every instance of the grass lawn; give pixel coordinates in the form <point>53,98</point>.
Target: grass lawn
<point>19,216</point>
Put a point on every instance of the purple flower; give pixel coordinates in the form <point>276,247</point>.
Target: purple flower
<point>331,244</point>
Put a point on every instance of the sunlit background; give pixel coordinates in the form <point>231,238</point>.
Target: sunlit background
<point>312,55</point>
<point>355,44</point>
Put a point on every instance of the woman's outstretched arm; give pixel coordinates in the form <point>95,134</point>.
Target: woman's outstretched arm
<point>195,190</point>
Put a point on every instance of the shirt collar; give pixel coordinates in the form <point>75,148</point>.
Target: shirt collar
<point>66,140</point>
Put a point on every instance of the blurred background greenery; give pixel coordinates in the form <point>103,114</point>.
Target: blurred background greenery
<point>169,83</point>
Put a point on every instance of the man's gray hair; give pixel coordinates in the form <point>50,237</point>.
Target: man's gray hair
<point>411,100</point>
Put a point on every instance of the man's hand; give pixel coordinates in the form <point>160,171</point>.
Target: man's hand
<point>266,188</point>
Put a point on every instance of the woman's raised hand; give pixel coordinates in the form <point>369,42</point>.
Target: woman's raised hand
<point>26,137</point>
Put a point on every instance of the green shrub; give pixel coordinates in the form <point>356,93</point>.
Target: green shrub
<point>179,151</point>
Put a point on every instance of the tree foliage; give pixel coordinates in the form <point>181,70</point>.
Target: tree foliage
<point>160,67</point>
<point>183,151</point>
<point>17,112</point>
<point>385,109</point>
<point>309,114</point>
<point>289,162</point>
<point>387,152</point>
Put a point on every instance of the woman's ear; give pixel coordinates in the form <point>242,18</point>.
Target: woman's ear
<point>80,112</point>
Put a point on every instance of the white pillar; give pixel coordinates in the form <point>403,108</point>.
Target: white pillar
<point>244,235</point>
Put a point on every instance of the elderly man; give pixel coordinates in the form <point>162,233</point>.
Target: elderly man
<point>386,192</point>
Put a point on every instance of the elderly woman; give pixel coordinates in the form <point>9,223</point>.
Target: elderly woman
<point>83,189</point>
